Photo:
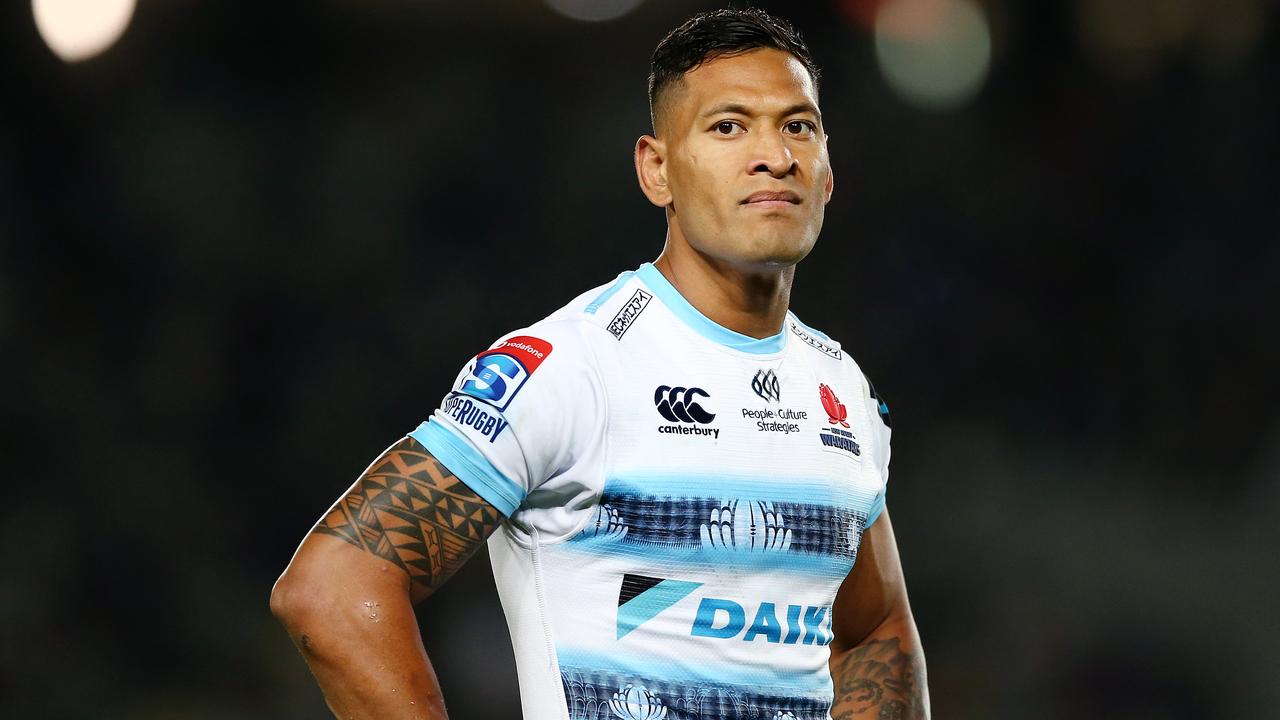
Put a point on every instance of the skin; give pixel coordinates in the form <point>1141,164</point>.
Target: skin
<point>877,662</point>
<point>733,127</point>
<point>347,596</point>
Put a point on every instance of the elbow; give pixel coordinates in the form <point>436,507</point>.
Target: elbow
<point>291,601</point>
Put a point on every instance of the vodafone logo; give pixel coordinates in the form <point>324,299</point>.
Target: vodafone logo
<point>534,349</point>
<point>498,374</point>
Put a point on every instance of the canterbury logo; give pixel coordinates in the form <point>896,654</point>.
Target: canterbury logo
<point>679,404</point>
<point>765,384</point>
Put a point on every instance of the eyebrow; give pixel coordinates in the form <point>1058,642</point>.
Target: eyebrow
<point>738,109</point>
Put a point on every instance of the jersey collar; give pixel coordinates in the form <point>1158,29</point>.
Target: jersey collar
<point>703,325</point>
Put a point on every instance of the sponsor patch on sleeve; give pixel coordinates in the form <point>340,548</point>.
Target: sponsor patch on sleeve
<point>497,375</point>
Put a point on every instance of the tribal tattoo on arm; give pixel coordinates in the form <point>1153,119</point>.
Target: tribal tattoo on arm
<point>410,510</point>
<point>880,681</point>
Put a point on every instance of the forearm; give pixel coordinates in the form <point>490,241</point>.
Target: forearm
<point>367,656</point>
<point>883,677</point>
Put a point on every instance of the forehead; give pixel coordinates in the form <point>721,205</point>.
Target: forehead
<point>759,78</point>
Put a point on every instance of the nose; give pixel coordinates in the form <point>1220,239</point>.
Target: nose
<point>771,155</point>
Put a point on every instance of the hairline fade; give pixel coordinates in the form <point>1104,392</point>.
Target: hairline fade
<point>719,33</point>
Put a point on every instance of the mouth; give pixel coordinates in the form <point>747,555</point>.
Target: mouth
<point>771,199</point>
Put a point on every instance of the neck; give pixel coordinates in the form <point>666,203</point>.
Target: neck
<point>749,301</point>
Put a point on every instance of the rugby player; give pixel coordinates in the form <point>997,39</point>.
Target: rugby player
<point>681,484</point>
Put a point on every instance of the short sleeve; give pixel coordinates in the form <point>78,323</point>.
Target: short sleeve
<point>881,429</point>
<point>519,414</point>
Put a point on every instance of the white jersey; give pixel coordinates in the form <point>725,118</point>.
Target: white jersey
<point>682,503</point>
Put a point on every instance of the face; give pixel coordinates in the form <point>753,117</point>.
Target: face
<point>740,161</point>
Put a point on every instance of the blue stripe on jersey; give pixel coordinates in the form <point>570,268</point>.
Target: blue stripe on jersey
<point>694,669</point>
<point>703,325</point>
<point>876,508</point>
<point>788,525</point>
<point>470,466</point>
<point>657,557</point>
<point>600,695</point>
<point>774,488</point>
<point>609,292</point>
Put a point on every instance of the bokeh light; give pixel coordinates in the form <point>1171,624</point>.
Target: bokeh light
<point>80,29</point>
<point>935,54</point>
<point>1131,40</point>
<point>593,10</point>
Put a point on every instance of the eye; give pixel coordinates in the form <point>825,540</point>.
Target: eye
<point>800,127</point>
<point>728,127</point>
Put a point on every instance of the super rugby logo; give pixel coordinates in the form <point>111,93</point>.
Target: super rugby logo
<point>470,413</point>
<point>497,375</point>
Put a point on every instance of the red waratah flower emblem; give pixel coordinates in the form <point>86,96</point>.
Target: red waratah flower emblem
<point>836,411</point>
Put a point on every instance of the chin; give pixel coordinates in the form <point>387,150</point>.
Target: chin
<point>776,252</point>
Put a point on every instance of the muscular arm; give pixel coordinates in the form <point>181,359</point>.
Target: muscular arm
<point>347,596</point>
<point>877,663</point>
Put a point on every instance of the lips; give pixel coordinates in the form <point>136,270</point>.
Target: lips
<point>772,196</point>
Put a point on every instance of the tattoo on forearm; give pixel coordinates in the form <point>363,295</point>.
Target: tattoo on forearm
<point>879,680</point>
<point>409,509</point>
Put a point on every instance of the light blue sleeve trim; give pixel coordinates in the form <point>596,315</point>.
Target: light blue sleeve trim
<point>470,466</point>
<point>877,507</point>
<point>702,324</point>
<point>609,292</point>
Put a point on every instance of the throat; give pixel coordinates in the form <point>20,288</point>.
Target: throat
<point>752,303</point>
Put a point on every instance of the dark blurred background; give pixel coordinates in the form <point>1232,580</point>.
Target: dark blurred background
<point>248,245</point>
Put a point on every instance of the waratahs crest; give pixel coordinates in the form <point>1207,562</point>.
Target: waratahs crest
<point>836,411</point>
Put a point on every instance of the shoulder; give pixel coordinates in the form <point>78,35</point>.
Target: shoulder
<point>603,313</point>
<point>818,341</point>
<point>824,350</point>
<point>570,338</point>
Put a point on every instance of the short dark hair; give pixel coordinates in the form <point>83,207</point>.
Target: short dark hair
<point>709,35</point>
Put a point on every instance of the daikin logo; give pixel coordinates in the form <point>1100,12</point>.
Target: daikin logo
<point>641,598</point>
<point>727,619</point>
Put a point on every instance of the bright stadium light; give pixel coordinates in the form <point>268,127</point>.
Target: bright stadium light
<point>934,53</point>
<point>593,10</point>
<point>79,29</point>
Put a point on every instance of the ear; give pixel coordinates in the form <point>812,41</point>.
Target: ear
<point>651,170</point>
<point>831,184</point>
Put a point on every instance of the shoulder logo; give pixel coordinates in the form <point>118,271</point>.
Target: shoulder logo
<point>629,312</point>
<point>816,343</point>
<point>498,374</point>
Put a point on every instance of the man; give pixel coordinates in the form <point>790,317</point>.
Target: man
<point>681,484</point>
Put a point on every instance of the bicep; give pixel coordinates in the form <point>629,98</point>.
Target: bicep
<point>874,591</point>
<point>406,510</point>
